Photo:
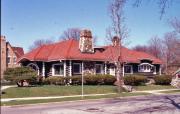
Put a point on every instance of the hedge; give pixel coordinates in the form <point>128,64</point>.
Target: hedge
<point>54,80</point>
<point>135,80</point>
<point>162,80</point>
<point>19,75</point>
<point>77,80</point>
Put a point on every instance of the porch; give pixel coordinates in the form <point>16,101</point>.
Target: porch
<point>77,67</point>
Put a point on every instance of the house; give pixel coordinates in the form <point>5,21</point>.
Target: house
<point>72,57</point>
<point>9,55</point>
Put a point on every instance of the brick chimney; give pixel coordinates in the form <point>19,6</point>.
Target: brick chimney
<point>115,41</point>
<point>85,42</point>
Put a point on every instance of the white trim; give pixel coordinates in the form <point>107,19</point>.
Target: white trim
<point>105,69</point>
<point>80,65</point>
<point>123,70</point>
<point>43,69</point>
<point>70,68</point>
<point>154,70</point>
<point>64,68</point>
<point>29,65</point>
<point>53,70</point>
<point>160,70</point>
<point>101,67</point>
<point>145,67</point>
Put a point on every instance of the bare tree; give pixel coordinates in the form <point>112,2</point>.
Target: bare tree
<point>40,42</point>
<point>74,33</point>
<point>155,47</point>
<point>171,52</point>
<point>71,33</point>
<point>119,30</point>
<point>175,23</point>
<point>162,4</point>
<point>141,48</point>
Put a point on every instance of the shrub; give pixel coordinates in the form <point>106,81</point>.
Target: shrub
<point>76,80</point>
<point>19,75</point>
<point>135,80</point>
<point>55,80</point>
<point>162,80</point>
<point>100,80</point>
<point>93,80</point>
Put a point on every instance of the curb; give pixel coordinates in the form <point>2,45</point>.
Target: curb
<point>75,101</point>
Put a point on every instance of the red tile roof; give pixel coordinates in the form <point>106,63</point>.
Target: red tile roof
<point>18,51</point>
<point>69,50</point>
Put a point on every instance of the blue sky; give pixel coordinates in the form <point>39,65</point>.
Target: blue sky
<point>23,21</point>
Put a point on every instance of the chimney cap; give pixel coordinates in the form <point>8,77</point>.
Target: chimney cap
<point>86,33</point>
<point>115,41</point>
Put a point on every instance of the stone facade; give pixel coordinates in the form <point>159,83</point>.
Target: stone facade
<point>9,55</point>
<point>86,43</point>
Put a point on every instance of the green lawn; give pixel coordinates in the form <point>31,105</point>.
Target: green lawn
<point>70,99</point>
<point>51,90</point>
<point>153,87</point>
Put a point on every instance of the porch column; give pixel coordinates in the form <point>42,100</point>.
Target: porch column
<point>64,68</point>
<point>160,70</point>
<point>82,84</point>
<point>154,70</point>
<point>131,69</point>
<point>43,69</point>
<point>70,68</point>
<point>105,69</point>
<point>123,70</point>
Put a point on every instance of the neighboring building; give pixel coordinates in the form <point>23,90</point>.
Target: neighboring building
<point>72,57</point>
<point>9,55</point>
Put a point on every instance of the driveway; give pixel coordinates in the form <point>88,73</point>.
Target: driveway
<point>154,104</point>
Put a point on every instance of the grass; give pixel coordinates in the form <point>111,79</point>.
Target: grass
<point>69,99</point>
<point>172,91</point>
<point>153,87</point>
<point>52,90</point>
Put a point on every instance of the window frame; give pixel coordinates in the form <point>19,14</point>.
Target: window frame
<point>101,68</point>
<point>131,68</point>
<point>80,68</point>
<point>53,69</point>
<point>145,67</point>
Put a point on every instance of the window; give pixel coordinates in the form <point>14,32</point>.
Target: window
<point>8,60</point>
<point>58,70</point>
<point>14,60</point>
<point>98,68</point>
<point>145,67</point>
<point>127,69</point>
<point>77,68</point>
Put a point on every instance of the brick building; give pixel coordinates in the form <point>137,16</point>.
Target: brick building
<point>9,55</point>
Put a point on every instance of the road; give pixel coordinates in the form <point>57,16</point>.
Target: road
<point>153,104</point>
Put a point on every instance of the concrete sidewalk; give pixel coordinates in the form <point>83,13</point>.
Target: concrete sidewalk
<point>51,97</point>
<point>155,91</point>
<point>55,97</point>
<point>5,87</point>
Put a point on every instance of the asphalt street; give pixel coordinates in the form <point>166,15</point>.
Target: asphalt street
<point>153,104</point>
